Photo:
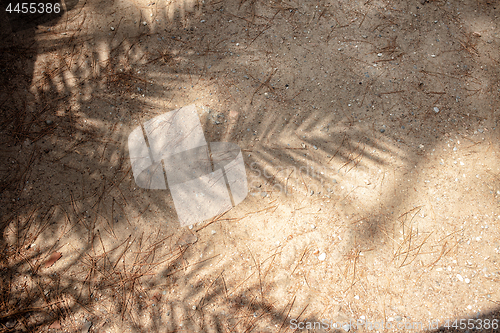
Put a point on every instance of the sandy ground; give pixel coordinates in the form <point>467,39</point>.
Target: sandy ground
<point>370,136</point>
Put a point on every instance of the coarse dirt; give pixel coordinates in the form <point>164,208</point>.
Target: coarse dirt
<point>370,134</point>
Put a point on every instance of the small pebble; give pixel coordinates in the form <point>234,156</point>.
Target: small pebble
<point>346,327</point>
<point>382,130</point>
<point>436,109</point>
<point>49,122</point>
<point>459,277</point>
<point>112,28</point>
<point>322,256</point>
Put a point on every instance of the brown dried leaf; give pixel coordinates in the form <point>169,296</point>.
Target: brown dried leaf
<point>52,259</point>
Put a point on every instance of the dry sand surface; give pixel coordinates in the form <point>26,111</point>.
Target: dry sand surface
<point>370,136</point>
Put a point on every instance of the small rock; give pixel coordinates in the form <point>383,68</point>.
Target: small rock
<point>346,327</point>
<point>398,318</point>
<point>466,280</point>
<point>144,23</point>
<point>356,297</point>
<point>459,277</point>
<point>382,130</point>
<point>379,55</point>
<point>214,232</point>
<point>112,28</point>
<point>322,256</point>
<point>436,109</point>
<point>49,122</point>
